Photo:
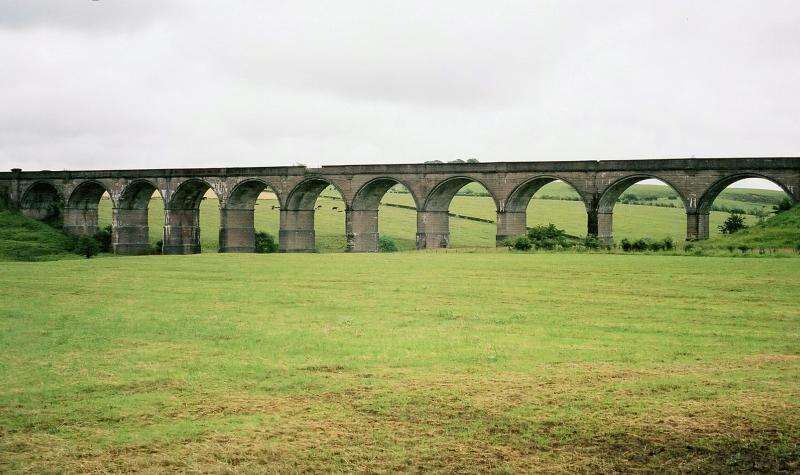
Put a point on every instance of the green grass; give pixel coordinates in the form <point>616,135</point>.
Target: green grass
<point>418,362</point>
<point>779,231</point>
<point>26,239</point>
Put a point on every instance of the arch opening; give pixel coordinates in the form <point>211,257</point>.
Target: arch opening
<point>474,211</point>
<point>135,230</point>
<point>252,207</point>
<point>753,197</point>
<point>641,206</point>
<point>541,201</point>
<point>192,207</point>
<point>82,212</point>
<point>382,217</point>
<point>313,202</point>
<point>43,202</point>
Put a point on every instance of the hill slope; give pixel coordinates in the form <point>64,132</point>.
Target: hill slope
<point>779,231</point>
<point>25,239</point>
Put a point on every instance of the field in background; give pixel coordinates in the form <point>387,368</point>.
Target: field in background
<point>492,363</point>
<point>630,221</point>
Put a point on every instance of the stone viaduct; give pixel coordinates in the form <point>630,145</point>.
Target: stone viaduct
<point>39,194</point>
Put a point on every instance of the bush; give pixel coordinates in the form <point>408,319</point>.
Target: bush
<point>158,247</point>
<point>591,242</point>
<point>639,245</point>
<point>521,243</point>
<point>548,237</point>
<point>103,238</point>
<point>86,246</point>
<point>784,205</point>
<point>386,244</point>
<point>734,223</point>
<point>265,243</point>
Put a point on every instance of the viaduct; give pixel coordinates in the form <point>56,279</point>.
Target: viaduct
<point>39,194</point>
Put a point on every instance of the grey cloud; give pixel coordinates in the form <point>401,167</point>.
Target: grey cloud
<point>97,15</point>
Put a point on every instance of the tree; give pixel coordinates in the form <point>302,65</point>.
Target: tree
<point>472,160</point>
<point>734,223</point>
<point>87,246</point>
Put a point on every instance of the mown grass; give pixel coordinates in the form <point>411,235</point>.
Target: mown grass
<point>400,362</point>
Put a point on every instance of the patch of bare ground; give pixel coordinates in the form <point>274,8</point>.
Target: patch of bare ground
<point>464,424</point>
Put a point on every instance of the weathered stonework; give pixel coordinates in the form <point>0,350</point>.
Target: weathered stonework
<point>432,186</point>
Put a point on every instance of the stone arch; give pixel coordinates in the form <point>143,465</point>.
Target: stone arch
<point>237,232</point>
<point>297,232</point>
<point>43,201</point>
<point>245,194</point>
<point>520,197</point>
<point>513,220</point>
<point>442,193</point>
<point>362,218</point>
<point>609,196</point>
<point>81,211</point>
<point>131,223</point>
<point>190,193</point>
<point>711,193</point>
<point>305,194</point>
<point>137,195</point>
<point>182,217</point>
<point>370,194</point>
<point>433,220</point>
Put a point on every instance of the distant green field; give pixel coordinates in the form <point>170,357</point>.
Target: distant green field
<point>630,221</point>
<point>408,362</point>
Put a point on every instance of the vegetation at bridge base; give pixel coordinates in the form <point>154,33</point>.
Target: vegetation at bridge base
<point>781,231</point>
<point>734,223</point>
<point>386,244</point>
<point>421,362</point>
<point>265,243</point>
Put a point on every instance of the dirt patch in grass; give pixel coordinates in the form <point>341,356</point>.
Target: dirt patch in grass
<point>465,424</point>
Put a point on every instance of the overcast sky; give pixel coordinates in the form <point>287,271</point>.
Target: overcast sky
<point>170,83</point>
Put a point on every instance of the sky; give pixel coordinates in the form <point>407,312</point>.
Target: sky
<point>193,83</point>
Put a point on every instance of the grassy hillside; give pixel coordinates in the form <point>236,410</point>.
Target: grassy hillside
<point>485,363</point>
<point>779,231</point>
<point>26,239</point>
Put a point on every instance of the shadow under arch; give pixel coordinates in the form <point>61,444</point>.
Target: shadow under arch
<point>44,202</point>
<point>363,217</point>
<point>237,228</point>
<point>609,196</point>
<point>81,213</point>
<point>182,217</point>
<point>131,219</point>
<point>433,220</point>
<point>297,232</point>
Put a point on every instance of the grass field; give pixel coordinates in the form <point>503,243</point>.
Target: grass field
<point>630,221</point>
<point>490,363</point>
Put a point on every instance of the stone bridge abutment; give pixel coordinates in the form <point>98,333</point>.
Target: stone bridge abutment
<point>73,197</point>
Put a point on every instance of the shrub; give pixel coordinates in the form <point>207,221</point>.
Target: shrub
<point>386,244</point>
<point>265,243</point>
<point>521,243</point>
<point>103,238</point>
<point>784,205</point>
<point>158,247</point>
<point>591,242</point>
<point>87,246</point>
<point>734,222</point>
